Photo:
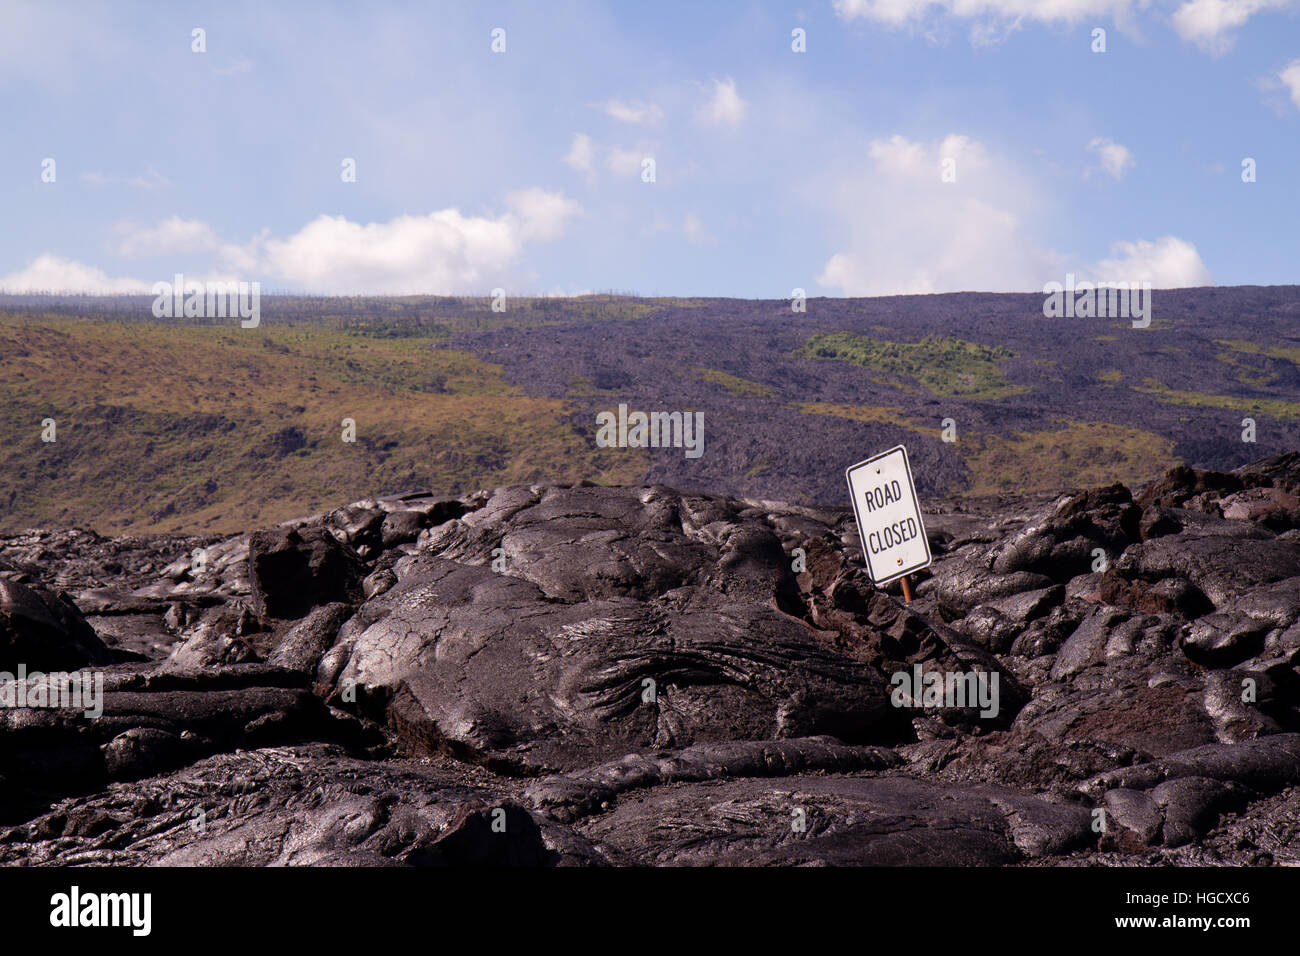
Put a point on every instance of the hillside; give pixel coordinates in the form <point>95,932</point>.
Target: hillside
<point>207,427</point>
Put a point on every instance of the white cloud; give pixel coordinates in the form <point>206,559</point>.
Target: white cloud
<point>176,236</point>
<point>1116,160</point>
<point>725,106</point>
<point>407,254</point>
<point>1204,22</point>
<point>582,154</point>
<point>1167,263</point>
<point>636,113</point>
<point>911,232</point>
<point>49,273</point>
<point>622,162</point>
<point>891,12</point>
<point>992,19</point>
<point>538,214</point>
<point>1207,22</point>
<point>444,251</point>
<point>1290,77</point>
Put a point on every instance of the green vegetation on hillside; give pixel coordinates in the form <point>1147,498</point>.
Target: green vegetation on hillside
<point>1272,407</point>
<point>1291,355</point>
<point>884,414</point>
<point>953,368</point>
<point>1250,361</point>
<point>734,384</point>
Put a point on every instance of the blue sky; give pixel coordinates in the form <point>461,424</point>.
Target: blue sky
<point>774,170</point>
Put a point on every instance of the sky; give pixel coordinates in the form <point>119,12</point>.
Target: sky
<point>853,147</point>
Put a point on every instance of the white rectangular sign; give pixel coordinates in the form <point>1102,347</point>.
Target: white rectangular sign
<point>888,515</point>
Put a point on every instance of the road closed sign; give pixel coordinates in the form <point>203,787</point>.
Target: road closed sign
<point>889,516</point>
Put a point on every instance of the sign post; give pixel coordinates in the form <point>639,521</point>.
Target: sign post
<point>889,518</point>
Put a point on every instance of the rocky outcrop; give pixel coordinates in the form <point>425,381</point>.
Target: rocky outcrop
<point>44,631</point>
<point>293,570</point>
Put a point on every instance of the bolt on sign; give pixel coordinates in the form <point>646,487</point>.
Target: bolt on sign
<point>888,515</point>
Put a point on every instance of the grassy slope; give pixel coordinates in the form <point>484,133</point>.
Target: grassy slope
<point>218,428</point>
<point>1271,407</point>
<point>742,387</point>
<point>1090,453</point>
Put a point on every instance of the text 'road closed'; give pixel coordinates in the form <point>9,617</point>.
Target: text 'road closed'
<point>888,516</point>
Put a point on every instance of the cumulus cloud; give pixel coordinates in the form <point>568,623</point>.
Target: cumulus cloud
<point>539,214</point>
<point>1167,263</point>
<point>635,113</point>
<point>587,156</point>
<point>911,232</point>
<point>1208,23</point>
<point>725,107</point>
<point>176,236</point>
<point>442,252</point>
<point>582,154</point>
<point>49,273</point>
<point>1116,160</point>
<point>1290,77</point>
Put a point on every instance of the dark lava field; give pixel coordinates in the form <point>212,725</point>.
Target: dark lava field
<point>588,675</point>
<point>1064,402</point>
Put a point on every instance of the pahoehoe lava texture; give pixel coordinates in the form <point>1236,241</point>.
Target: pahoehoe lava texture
<point>587,675</point>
